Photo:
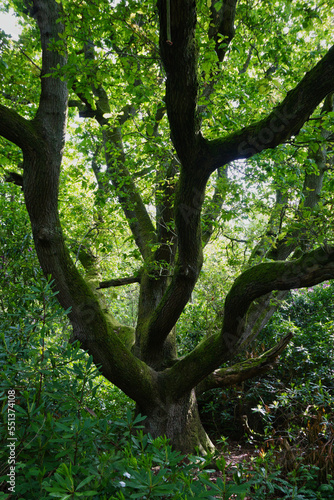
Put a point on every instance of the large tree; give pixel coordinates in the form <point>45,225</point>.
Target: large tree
<point>182,108</point>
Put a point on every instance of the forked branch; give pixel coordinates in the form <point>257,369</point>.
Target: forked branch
<point>253,367</point>
<point>312,268</point>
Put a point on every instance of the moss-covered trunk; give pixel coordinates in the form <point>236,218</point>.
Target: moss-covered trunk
<point>180,422</point>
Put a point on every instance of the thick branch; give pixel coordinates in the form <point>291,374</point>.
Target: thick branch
<point>52,109</point>
<point>250,368</point>
<point>222,24</point>
<point>188,203</point>
<point>180,63</point>
<point>15,178</point>
<point>311,269</point>
<point>119,281</point>
<point>179,55</point>
<point>17,129</point>
<point>42,161</point>
<point>283,122</point>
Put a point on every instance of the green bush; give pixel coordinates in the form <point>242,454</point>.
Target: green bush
<point>291,407</point>
<point>69,445</point>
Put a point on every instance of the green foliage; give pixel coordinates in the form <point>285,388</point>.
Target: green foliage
<point>312,349</point>
<point>291,408</point>
<point>298,406</point>
<point>63,448</point>
<point>18,262</point>
<point>113,67</point>
<point>69,447</point>
<point>57,390</point>
<point>268,480</point>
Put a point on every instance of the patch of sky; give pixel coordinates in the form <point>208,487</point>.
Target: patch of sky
<point>9,24</point>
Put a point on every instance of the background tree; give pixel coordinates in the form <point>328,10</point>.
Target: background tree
<point>226,87</point>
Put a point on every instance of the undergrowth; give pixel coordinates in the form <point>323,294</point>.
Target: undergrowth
<point>69,445</point>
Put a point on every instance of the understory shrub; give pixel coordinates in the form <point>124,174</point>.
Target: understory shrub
<point>69,444</point>
<point>72,440</point>
<point>291,407</point>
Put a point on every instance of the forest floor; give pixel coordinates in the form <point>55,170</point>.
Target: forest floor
<point>240,453</point>
<point>242,457</point>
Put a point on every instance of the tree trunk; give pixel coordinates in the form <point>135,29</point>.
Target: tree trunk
<point>180,422</point>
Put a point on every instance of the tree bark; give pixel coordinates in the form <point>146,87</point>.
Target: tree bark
<point>162,385</point>
<point>42,142</point>
<point>312,268</point>
<point>179,420</point>
<point>253,367</point>
<point>283,122</point>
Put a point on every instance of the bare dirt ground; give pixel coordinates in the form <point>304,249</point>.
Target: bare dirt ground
<point>239,453</point>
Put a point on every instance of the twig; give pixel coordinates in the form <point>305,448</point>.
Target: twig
<point>29,59</point>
